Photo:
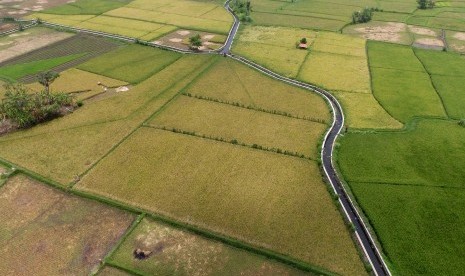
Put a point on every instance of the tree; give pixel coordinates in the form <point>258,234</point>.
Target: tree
<point>425,4</point>
<point>47,78</point>
<point>362,16</point>
<point>303,40</point>
<point>195,41</point>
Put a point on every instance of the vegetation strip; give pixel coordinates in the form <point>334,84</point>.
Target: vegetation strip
<point>233,142</point>
<point>251,107</point>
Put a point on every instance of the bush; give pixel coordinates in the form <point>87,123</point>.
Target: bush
<point>303,40</point>
<point>195,41</point>
<point>425,4</point>
<point>27,109</point>
<point>362,16</point>
<point>462,123</point>
<point>242,9</point>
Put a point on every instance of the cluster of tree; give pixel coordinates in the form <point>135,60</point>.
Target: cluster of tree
<point>242,9</point>
<point>425,4</point>
<point>24,109</point>
<point>195,42</point>
<point>363,16</point>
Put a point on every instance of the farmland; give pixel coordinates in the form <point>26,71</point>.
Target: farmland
<point>408,175</point>
<point>67,234</point>
<point>197,196</point>
<point>345,70</point>
<point>140,18</point>
<point>181,252</point>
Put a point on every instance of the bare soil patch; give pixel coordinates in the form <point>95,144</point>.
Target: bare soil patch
<point>422,31</point>
<point>20,8</point>
<point>390,32</point>
<point>25,42</point>
<point>459,36</point>
<point>429,43</point>
<point>56,233</point>
<point>180,39</point>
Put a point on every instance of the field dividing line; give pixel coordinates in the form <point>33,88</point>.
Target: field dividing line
<point>119,242</point>
<point>352,215</point>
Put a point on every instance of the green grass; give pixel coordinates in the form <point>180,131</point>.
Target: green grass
<point>287,195</point>
<point>432,153</point>
<point>391,56</point>
<point>87,7</point>
<point>18,71</point>
<point>417,225</point>
<point>70,233</point>
<point>452,94</point>
<point>133,63</point>
<point>177,252</point>
<point>440,63</point>
<point>406,94</point>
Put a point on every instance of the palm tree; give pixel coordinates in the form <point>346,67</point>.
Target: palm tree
<point>46,78</point>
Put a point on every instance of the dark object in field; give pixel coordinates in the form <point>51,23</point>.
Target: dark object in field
<point>141,254</point>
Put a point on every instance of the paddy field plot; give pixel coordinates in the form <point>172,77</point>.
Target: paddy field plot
<point>447,72</point>
<point>14,45</point>
<point>76,81</point>
<point>66,147</point>
<point>244,125</point>
<point>233,82</point>
<point>55,232</point>
<point>87,7</point>
<point>133,63</point>
<point>410,185</point>
<point>182,253</point>
<point>401,84</point>
<point>181,177</point>
<point>111,271</point>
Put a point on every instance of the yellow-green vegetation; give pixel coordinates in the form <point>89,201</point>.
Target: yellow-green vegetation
<point>67,147</point>
<point>410,185</point>
<point>242,87</point>
<point>287,195</point>
<point>401,84</point>
<point>177,252</point>
<point>133,63</point>
<point>87,7</point>
<point>75,80</point>
<point>111,271</point>
<point>362,110</point>
<point>55,232</point>
<point>274,47</point>
<point>447,72</point>
<point>336,62</point>
<point>243,125</point>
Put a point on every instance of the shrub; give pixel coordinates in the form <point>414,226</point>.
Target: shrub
<point>234,142</point>
<point>426,4</point>
<point>462,123</point>
<point>242,9</point>
<point>362,16</point>
<point>195,41</point>
<point>26,109</point>
<point>303,40</point>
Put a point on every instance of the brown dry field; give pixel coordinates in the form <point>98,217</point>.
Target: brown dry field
<point>20,8</point>
<point>47,232</point>
<point>180,39</point>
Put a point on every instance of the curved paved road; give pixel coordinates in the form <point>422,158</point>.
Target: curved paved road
<point>364,237</point>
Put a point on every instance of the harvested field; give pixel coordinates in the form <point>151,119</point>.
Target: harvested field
<point>180,39</point>
<point>20,8</point>
<point>133,63</point>
<point>55,232</point>
<point>178,252</point>
<point>87,7</point>
<point>296,202</point>
<point>270,95</point>
<point>12,46</point>
<point>248,126</point>
<point>381,31</point>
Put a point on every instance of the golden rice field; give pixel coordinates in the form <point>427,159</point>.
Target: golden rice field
<point>245,125</point>
<point>201,182</point>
